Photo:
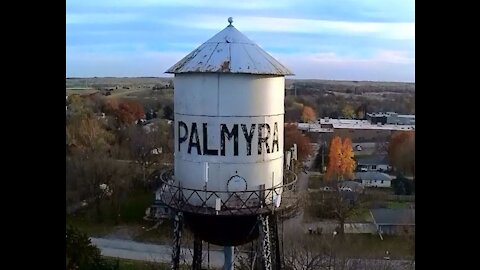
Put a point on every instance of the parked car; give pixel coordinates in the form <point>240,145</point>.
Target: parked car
<point>327,188</point>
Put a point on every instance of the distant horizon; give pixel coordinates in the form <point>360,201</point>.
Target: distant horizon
<point>353,40</point>
<point>286,78</point>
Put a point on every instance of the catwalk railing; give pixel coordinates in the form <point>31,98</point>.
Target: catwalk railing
<point>215,202</point>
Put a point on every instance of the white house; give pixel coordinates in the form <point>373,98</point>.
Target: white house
<point>373,163</point>
<point>374,179</point>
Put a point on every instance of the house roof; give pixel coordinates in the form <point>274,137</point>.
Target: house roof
<point>372,160</point>
<point>229,51</point>
<point>384,216</point>
<point>355,186</point>
<point>373,176</point>
<point>353,124</point>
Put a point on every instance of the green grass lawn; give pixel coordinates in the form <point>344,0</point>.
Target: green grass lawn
<point>363,245</point>
<point>89,227</point>
<point>363,215</point>
<point>397,204</point>
<point>131,212</point>
<point>125,264</point>
<point>369,245</point>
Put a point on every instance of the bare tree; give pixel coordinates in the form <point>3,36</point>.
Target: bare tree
<point>338,204</point>
<point>96,178</point>
<point>324,252</point>
<point>304,252</point>
<point>148,147</point>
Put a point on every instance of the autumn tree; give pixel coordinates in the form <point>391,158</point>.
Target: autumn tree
<point>110,105</point>
<point>348,163</point>
<point>129,111</point>
<point>78,107</point>
<point>293,111</point>
<point>401,152</point>
<point>308,114</point>
<point>340,204</point>
<point>340,160</point>
<point>87,134</point>
<point>126,111</point>
<point>294,136</point>
<point>361,110</point>
<point>85,130</point>
<point>348,111</point>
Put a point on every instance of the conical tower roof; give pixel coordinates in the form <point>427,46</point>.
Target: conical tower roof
<point>229,51</point>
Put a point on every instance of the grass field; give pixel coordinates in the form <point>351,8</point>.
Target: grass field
<point>131,226</point>
<point>80,91</point>
<point>125,264</point>
<point>370,245</point>
<point>358,245</point>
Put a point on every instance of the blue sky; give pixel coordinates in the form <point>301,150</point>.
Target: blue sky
<point>317,39</point>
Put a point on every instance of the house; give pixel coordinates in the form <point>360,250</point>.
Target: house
<point>393,221</point>
<point>391,118</point>
<point>364,148</point>
<point>373,179</point>
<point>373,163</point>
<point>356,130</point>
<point>350,190</point>
<point>350,186</point>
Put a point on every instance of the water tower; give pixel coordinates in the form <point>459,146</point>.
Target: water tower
<point>228,181</point>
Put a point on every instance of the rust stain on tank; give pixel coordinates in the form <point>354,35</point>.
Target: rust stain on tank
<point>225,66</point>
<point>231,46</point>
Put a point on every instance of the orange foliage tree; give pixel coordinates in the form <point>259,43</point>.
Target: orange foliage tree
<point>126,111</point>
<point>88,133</point>
<point>110,105</point>
<point>401,152</point>
<point>129,111</point>
<point>308,114</point>
<point>292,136</point>
<point>340,160</point>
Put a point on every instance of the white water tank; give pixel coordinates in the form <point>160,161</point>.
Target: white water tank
<point>229,116</point>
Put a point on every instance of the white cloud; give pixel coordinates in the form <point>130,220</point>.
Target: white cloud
<point>398,57</point>
<point>147,63</point>
<point>101,18</point>
<point>384,66</point>
<point>312,48</point>
<point>238,4</point>
<point>385,56</point>
<point>294,25</point>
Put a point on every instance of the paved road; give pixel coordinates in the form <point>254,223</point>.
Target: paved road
<point>295,223</point>
<point>127,249</point>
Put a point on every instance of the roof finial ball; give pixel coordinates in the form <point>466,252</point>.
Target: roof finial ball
<point>230,20</point>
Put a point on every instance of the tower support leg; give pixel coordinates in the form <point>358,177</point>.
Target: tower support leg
<point>275,243</point>
<point>177,235</point>
<point>228,252</point>
<point>265,234</point>
<point>197,252</point>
